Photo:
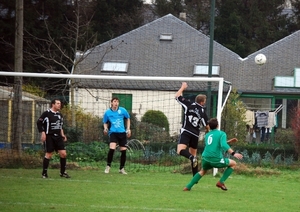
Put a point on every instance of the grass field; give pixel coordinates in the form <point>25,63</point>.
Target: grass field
<point>92,190</point>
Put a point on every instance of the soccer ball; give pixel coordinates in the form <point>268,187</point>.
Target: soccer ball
<point>260,59</point>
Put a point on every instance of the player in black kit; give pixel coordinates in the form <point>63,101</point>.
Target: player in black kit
<point>194,118</point>
<point>52,135</point>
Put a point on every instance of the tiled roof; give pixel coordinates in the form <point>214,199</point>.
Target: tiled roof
<point>148,56</point>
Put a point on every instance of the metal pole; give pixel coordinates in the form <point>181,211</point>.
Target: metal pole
<point>210,59</point>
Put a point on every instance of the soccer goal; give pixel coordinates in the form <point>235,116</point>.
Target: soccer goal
<point>138,94</point>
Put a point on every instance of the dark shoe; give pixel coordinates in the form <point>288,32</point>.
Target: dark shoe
<point>44,175</point>
<point>221,186</point>
<point>186,189</point>
<point>65,175</point>
<point>194,161</point>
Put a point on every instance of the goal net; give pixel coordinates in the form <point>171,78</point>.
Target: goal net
<point>88,96</point>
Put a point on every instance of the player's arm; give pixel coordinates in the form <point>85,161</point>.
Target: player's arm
<point>235,154</point>
<point>181,89</point>
<point>105,128</point>
<point>40,126</point>
<point>231,141</point>
<point>63,135</point>
<point>207,128</point>
<point>40,122</point>
<point>128,131</point>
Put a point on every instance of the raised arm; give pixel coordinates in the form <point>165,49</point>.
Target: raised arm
<point>181,89</point>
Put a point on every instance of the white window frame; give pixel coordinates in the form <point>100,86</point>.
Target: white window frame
<point>166,37</point>
<point>202,70</point>
<point>284,81</point>
<point>114,66</point>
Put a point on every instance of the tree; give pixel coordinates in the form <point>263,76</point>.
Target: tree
<point>233,118</point>
<point>115,17</point>
<point>17,99</point>
<point>164,7</point>
<point>295,125</point>
<point>296,15</point>
<point>198,14</point>
<point>246,26</point>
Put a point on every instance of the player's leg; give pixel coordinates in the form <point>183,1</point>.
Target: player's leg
<point>230,164</point>
<point>183,142</point>
<point>123,149</point>
<point>205,167</point>
<point>110,154</point>
<point>49,149</point>
<point>228,170</point>
<point>61,149</point>
<point>193,150</point>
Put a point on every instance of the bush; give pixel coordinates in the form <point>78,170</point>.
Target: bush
<point>87,128</point>
<point>157,118</point>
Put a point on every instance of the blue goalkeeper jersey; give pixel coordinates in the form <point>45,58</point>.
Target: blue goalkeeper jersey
<point>115,120</point>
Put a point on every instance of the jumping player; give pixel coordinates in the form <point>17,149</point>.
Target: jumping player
<point>194,119</point>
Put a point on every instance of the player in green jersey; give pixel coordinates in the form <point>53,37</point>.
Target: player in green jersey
<point>213,155</point>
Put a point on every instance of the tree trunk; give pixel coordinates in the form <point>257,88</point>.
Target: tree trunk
<point>17,98</point>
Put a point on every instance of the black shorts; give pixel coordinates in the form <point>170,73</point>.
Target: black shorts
<point>188,139</point>
<point>54,143</point>
<point>119,138</point>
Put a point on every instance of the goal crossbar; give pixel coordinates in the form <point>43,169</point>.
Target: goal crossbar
<point>220,81</point>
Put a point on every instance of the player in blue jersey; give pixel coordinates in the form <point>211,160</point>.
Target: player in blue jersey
<point>114,126</point>
<point>194,118</point>
<point>52,135</point>
<point>213,155</point>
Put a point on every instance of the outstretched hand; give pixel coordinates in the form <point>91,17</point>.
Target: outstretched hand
<point>231,141</point>
<point>238,156</point>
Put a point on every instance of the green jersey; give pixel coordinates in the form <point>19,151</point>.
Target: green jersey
<point>215,145</point>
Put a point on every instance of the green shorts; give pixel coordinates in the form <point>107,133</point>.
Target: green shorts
<point>209,163</point>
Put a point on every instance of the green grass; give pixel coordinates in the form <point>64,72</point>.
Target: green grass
<point>92,190</point>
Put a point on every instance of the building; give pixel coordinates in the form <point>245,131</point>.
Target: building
<point>169,47</point>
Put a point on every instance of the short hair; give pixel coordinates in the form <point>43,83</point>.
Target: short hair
<point>114,98</point>
<point>53,101</point>
<point>213,123</point>
<point>200,98</point>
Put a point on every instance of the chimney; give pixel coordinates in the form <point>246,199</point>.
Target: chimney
<point>182,16</point>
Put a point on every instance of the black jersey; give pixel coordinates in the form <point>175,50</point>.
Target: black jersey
<point>50,122</point>
<point>194,116</point>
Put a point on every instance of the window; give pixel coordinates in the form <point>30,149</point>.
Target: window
<point>202,69</point>
<point>166,36</point>
<point>125,100</point>
<point>114,66</point>
<point>283,81</point>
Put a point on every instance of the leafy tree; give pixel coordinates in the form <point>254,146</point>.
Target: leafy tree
<point>198,14</point>
<point>295,125</point>
<point>116,17</point>
<point>164,7</point>
<point>296,15</point>
<point>246,26</point>
<point>156,117</point>
<point>7,31</point>
<point>233,118</point>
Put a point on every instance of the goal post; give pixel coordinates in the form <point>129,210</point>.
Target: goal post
<point>219,80</point>
<point>93,93</point>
